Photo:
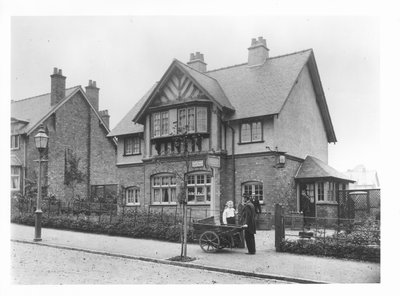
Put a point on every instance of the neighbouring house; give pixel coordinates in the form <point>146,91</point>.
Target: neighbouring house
<point>364,179</point>
<point>260,128</point>
<point>80,157</point>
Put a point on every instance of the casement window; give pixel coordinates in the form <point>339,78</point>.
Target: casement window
<point>132,196</point>
<point>331,191</point>
<point>253,189</point>
<point>194,119</point>
<point>199,188</point>
<point>15,177</point>
<point>310,191</point>
<point>320,191</point>
<point>156,124</point>
<point>132,145</point>
<point>251,132</point>
<point>160,123</point>
<point>163,188</point>
<point>15,142</point>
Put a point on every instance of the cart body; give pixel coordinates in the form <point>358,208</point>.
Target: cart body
<point>214,237</point>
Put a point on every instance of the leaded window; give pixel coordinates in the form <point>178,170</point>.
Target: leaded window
<point>199,188</point>
<point>163,189</point>
<point>253,189</point>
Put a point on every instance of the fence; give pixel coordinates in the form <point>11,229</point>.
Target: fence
<point>345,238</point>
<point>359,204</point>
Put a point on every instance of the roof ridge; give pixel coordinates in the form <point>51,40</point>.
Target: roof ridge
<point>45,94</point>
<point>275,57</point>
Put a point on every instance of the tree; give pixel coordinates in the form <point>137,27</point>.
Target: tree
<point>72,174</point>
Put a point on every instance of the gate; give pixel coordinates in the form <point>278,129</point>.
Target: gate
<point>359,204</point>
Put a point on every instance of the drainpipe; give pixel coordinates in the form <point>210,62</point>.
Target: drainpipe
<point>233,163</point>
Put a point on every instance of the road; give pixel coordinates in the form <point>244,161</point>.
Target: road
<point>33,264</point>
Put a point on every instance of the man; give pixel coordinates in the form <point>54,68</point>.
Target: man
<point>249,224</point>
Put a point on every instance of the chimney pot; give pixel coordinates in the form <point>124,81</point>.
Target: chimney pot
<point>197,62</point>
<point>57,89</point>
<point>94,84</point>
<point>258,51</point>
<point>92,93</point>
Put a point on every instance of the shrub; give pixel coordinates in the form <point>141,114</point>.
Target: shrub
<point>129,226</point>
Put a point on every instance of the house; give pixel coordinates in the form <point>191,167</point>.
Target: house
<point>243,129</point>
<point>77,133</point>
<point>365,179</point>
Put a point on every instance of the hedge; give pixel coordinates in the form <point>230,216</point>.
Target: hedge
<point>127,227</point>
<point>332,248</point>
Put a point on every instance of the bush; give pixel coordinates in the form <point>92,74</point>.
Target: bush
<point>131,226</point>
<point>361,243</point>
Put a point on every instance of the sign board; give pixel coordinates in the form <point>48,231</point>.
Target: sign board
<point>214,161</point>
<point>197,163</point>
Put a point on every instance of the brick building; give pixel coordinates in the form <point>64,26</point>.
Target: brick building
<point>77,133</point>
<point>248,128</point>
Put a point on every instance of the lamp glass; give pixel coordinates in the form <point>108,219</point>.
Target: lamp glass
<point>41,139</point>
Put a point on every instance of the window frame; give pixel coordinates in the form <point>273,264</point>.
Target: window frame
<point>15,139</point>
<point>253,185</point>
<point>16,176</point>
<point>200,180</point>
<point>133,139</point>
<point>136,197</point>
<point>251,136</point>
<point>161,187</point>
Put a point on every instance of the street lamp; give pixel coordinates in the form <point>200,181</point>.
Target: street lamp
<point>41,140</point>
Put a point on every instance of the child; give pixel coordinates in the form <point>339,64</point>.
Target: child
<point>228,216</point>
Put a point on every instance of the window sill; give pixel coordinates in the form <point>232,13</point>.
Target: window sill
<point>245,143</point>
<point>14,148</point>
<point>133,154</point>
<point>327,203</point>
<point>163,204</point>
<point>133,205</point>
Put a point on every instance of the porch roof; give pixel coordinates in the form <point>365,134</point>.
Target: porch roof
<point>314,168</point>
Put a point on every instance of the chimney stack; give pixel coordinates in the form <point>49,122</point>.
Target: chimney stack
<point>92,92</point>
<point>197,62</point>
<point>258,52</point>
<point>57,87</point>
<point>105,117</point>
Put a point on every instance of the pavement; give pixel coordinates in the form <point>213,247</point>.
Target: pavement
<point>266,263</point>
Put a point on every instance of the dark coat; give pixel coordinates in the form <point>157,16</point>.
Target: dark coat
<point>249,217</point>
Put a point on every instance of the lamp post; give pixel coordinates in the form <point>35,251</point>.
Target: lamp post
<point>41,140</point>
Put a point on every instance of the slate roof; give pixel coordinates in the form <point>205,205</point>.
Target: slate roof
<point>313,168</point>
<point>34,109</point>
<point>266,86</point>
<point>126,125</point>
<point>248,91</point>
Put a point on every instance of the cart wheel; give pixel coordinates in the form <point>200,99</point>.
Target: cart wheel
<point>209,241</point>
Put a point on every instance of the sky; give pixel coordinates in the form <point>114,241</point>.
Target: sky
<point>125,55</point>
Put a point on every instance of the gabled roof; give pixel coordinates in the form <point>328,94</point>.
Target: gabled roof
<point>207,84</point>
<point>36,110</point>
<point>363,177</point>
<point>32,110</point>
<point>254,91</point>
<point>313,168</point>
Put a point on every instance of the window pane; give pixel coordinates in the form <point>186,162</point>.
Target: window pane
<point>200,179</point>
<point>191,122</point>
<point>173,194</point>
<point>14,182</point>
<point>156,181</point>
<point>201,119</point>
<point>156,125</point>
<point>208,179</point>
<point>245,133</point>
<point>320,189</point>
<point>165,123</point>
<point>191,179</point>
<point>165,195</point>
<point>136,145</point>
<point>156,194</point>
<point>208,193</point>
<point>191,193</point>
<point>256,131</point>
<point>128,145</point>
<point>181,120</point>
